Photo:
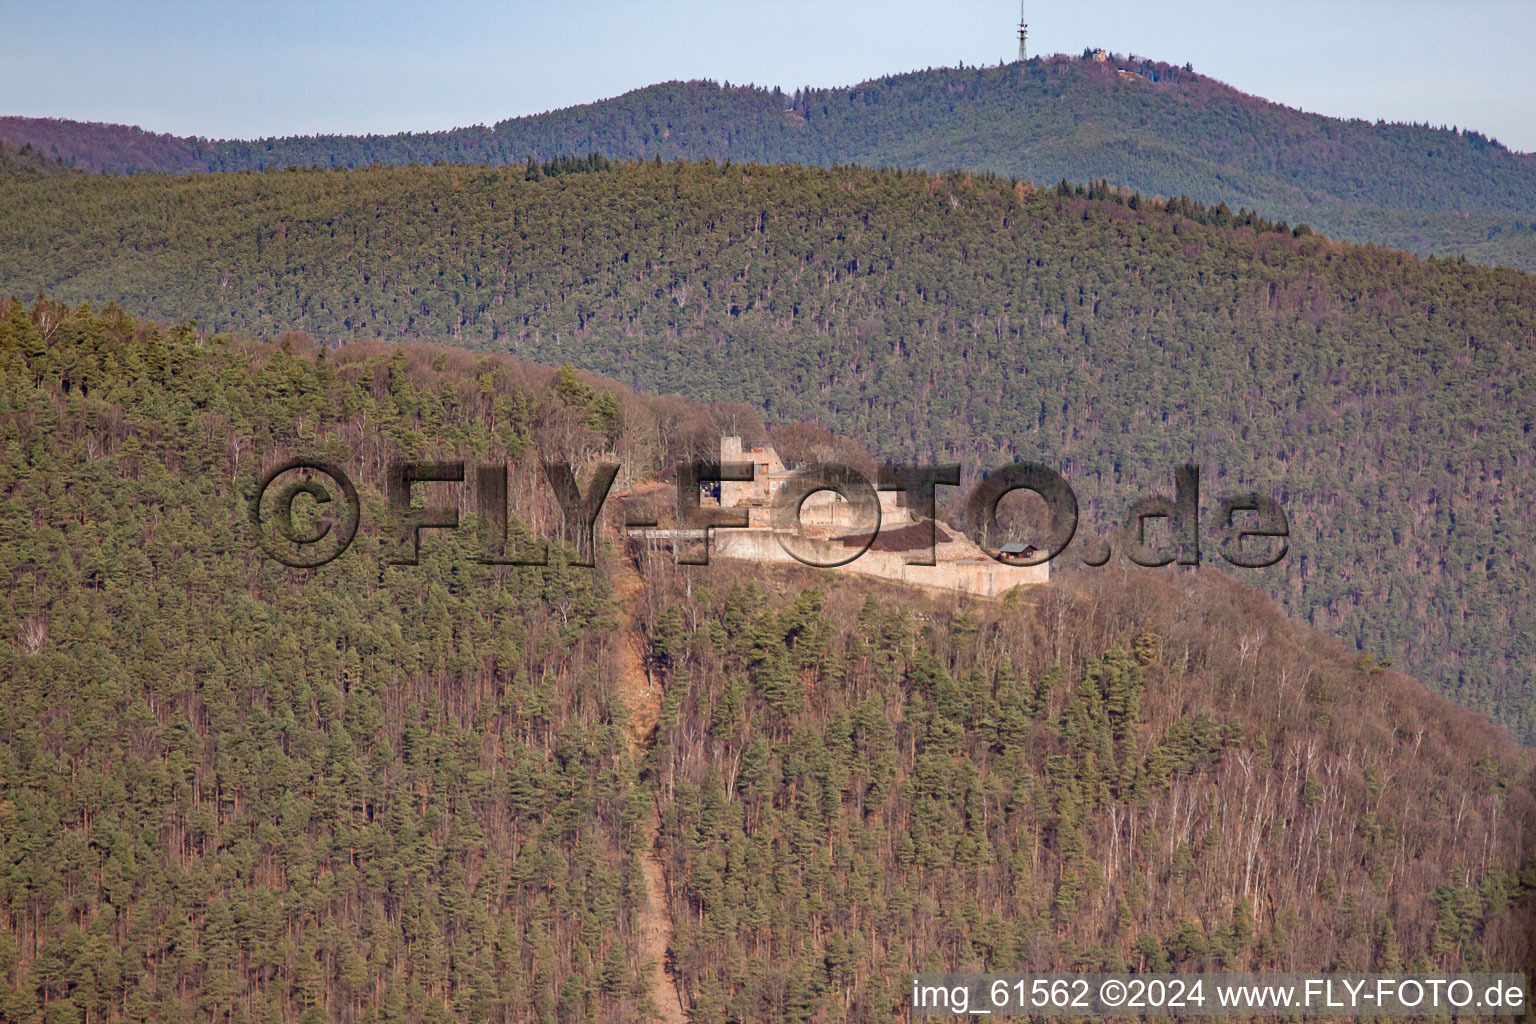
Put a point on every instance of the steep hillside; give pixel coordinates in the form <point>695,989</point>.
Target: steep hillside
<point>1133,772</point>
<point>1382,399</point>
<point>1150,126</point>
<point>231,791</point>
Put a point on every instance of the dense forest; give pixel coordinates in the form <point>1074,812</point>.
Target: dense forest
<point>1380,398</point>
<point>231,791</point>
<point>234,792</point>
<point>1130,773</point>
<point>1154,127</point>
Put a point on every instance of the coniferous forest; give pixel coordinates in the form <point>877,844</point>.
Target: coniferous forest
<point>234,791</point>
<point>1380,398</point>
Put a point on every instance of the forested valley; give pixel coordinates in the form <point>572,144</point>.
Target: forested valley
<point>1378,397</point>
<point>234,791</point>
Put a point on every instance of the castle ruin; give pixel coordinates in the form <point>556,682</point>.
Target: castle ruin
<point>832,524</point>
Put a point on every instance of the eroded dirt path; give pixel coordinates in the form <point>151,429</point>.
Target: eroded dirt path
<point>642,699</point>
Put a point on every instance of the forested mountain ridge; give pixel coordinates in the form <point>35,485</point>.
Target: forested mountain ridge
<point>234,792</point>
<point>1379,397</point>
<point>1150,126</point>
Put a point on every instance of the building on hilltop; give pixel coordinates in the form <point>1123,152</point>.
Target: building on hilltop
<point>898,550</point>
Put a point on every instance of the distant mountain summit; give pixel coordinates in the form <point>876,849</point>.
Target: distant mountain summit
<point>1155,127</point>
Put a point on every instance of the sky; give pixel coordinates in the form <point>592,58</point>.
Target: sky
<point>242,69</point>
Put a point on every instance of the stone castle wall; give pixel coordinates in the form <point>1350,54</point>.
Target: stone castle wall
<point>962,566</point>
<point>978,574</point>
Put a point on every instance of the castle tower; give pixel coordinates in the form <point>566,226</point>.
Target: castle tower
<point>732,492</point>
<point>1023,35</point>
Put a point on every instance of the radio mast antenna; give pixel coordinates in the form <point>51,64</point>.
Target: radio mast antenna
<point>1023,35</point>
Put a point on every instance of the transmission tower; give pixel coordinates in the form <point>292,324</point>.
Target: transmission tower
<point>1023,34</point>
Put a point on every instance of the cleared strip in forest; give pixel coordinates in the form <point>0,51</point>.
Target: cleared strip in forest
<point>642,699</point>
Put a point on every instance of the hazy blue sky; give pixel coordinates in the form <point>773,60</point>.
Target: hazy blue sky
<point>240,69</point>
